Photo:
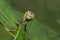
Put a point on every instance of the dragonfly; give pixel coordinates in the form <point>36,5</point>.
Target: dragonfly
<point>28,16</point>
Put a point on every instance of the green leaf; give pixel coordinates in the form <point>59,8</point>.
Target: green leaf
<point>20,34</point>
<point>38,31</point>
<point>6,15</point>
<point>9,19</point>
<point>4,34</point>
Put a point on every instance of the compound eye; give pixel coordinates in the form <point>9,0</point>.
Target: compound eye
<point>29,15</point>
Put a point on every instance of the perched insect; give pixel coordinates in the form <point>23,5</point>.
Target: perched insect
<point>28,16</point>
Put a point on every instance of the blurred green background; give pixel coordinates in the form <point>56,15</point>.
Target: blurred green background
<point>45,26</point>
<point>47,11</point>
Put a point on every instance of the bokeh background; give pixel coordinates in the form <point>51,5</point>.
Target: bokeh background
<point>46,11</point>
<point>45,26</point>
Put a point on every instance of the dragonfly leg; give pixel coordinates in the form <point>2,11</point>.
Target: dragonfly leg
<point>25,28</point>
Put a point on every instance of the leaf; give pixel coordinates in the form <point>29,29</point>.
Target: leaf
<point>40,32</point>
<point>20,34</point>
<point>6,15</point>
<point>8,18</point>
<point>4,34</point>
